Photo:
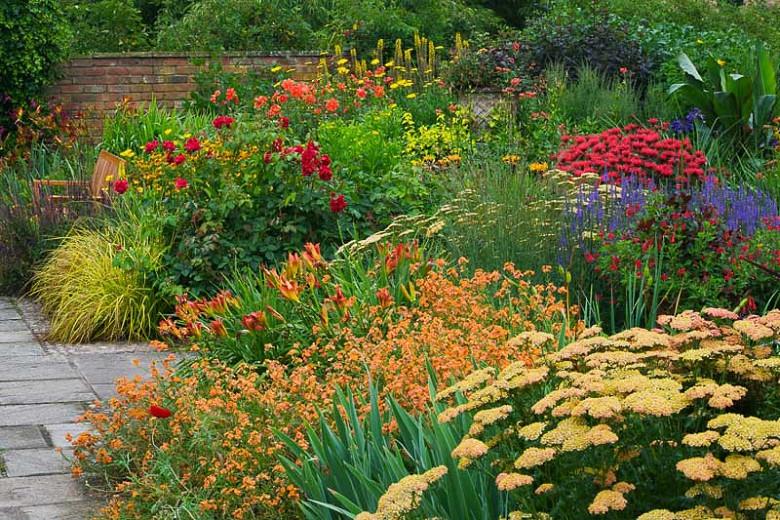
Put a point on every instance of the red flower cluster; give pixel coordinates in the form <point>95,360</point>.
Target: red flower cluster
<point>191,145</point>
<point>223,122</point>
<point>337,203</point>
<point>631,151</point>
<point>120,186</point>
<point>311,159</point>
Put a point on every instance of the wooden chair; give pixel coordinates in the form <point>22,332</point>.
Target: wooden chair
<point>107,168</point>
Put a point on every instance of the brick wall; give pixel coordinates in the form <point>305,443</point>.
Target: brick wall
<point>94,85</point>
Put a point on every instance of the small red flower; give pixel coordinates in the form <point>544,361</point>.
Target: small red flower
<point>284,122</point>
<point>325,172</point>
<point>332,104</point>
<point>192,145</point>
<point>168,146</point>
<point>223,122</point>
<point>260,101</point>
<point>180,158</point>
<point>159,412</point>
<point>151,146</point>
<point>230,95</point>
<point>180,183</point>
<point>120,186</point>
<point>337,203</point>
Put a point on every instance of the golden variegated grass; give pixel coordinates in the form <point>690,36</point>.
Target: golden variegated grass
<point>87,296</point>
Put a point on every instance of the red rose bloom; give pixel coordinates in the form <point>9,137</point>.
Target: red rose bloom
<point>192,145</point>
<point>180,183</point>
<point>337,203</point>
<point>120,186</point>
<point>159,412</point>
<point>151,146</point>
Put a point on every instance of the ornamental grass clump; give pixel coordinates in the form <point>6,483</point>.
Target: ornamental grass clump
<point>682,421</point>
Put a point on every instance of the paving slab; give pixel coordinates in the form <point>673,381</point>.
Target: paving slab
<point>40,490</point>
<point>22,336</point>
<point>13,326</point>
<point>104,391</point>
<point>106,368</point>
<point>37,392</point>
<point>58,432</point>
<point>20,349</point>
<point>18,437</point>
<point>31,414</point>
<point>31,368</point>
<point>67,511</point>
<point>7,313</point>
<point>35,461</point>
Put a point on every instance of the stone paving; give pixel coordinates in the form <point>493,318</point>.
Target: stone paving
<point>43,388</point>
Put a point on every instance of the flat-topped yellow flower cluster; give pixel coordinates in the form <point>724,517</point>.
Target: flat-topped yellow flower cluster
<point>682,421</point>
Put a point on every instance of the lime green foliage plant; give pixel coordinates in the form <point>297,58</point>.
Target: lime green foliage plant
<point>650,424</point>
<point>89,294</point>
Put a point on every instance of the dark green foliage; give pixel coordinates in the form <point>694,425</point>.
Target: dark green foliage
<point>107,26</point>
<point>34,38</point>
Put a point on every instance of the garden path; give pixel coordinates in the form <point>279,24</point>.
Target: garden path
<point>43,388</point>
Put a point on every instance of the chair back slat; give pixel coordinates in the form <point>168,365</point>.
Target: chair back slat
<point>107,165</point>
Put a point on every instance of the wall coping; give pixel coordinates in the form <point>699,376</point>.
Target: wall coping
<point>199,54</point>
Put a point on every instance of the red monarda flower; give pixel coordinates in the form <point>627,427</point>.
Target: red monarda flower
<point>152,146</point>
<point>168,146</point>
<point>120,186</point>
<point>337,203</point>
<point>223,122</point>
<point>192,145</point>
<point>180,183</point>
<point>159,412</point>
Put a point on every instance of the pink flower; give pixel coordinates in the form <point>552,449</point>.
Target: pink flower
<point>180,183</point>
<point>120,186</point>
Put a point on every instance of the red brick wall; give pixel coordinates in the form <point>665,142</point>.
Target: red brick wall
<point>94,85</point>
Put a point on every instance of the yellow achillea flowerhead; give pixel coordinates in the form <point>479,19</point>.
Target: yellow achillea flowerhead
<point>403,497</point>
<point>770,456</point>
<point>533,457</point>
<point>596,436</point>
<point>745,433</point>
<point>757,503</point>
<point>598,407</point>
<point>510,481</point>
<point>700,469</point>
<point>565,429</point>
<point>469,449</point>
<point>470,382</point>
<point>532,431</point>
<point>701,439</point>
<point>657,403</point>
<point>753,329</point>
<point>543,488</point>
<point>658,514</point>
<point>607,500</point>
<point>486,417</point>
<point>725,395</point>
<point>738,467</point>
<point>640,339</point>
<point>703,488</point>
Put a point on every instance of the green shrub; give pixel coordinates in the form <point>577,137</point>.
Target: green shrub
<point>89,295</point>
<point>35,37</point>
<point>106,26</point>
